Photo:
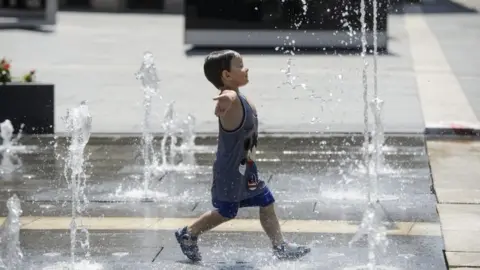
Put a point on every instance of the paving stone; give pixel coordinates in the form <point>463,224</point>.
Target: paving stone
<point>463,259</point>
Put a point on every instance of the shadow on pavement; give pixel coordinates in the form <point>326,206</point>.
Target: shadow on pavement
<point>37,29</point>
<point>174,8</point>
<point>203,51</point>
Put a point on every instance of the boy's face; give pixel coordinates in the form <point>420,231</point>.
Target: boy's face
<point>238,74</point>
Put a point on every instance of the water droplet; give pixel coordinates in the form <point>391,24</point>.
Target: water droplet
<point>120,254</point>
<point>51,254</point>
<point>340,76</point>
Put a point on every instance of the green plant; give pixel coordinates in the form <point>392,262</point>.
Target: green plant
<point>29,77</point>
<point>6,77</point>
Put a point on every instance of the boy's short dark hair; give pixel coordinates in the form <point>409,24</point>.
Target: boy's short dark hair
<point>215,63</point>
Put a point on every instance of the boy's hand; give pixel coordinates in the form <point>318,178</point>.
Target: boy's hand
<point>224,102</point>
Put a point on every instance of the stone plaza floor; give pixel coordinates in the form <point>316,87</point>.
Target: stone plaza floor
<point>320,201</point>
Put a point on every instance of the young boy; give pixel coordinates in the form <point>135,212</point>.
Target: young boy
<point>235,177</point>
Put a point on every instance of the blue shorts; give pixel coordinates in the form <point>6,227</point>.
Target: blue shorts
<point>230,209</point>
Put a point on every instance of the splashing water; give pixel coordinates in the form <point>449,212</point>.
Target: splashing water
<point>291,79</point>
<point>11,254</point>
<point>79,124</point>
<point>6,133</point>
<point>188,134</point>
<point>188,142</point>
<point>372,224</point>
<point>378,137</point>
<point>172,128</point>
<point>169,128</point>
<point>168,156</point>
<point>289,48</point>
<point>150,85</point>
<point>10,143</point>
<point>9,149</point>
<point>375,50</point>
<point>346,23</point>
<point>365,85</point>
<point>304,7</point>
<point>10,163</point>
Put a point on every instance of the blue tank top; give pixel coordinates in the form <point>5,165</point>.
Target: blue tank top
<point>235,176</point>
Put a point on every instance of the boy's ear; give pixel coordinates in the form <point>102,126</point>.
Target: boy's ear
<point>225,75</point>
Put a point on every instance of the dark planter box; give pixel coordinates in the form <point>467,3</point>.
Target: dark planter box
<point>31,104</point>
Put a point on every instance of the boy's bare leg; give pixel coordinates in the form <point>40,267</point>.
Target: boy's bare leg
<point>206,222</point>
<point>281,249</point>
<point>270,224</point>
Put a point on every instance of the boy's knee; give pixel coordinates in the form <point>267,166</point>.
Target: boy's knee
<point>227,210</point>
<point>227,214</point>
<point>268,208</point>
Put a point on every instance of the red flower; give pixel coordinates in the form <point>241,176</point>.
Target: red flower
<point>6,66</point>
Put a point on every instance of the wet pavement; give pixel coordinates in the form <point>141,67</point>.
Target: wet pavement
<point>313,180</point>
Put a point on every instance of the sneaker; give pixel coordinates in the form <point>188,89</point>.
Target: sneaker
<point>290,251</point>
<point>188,244</point>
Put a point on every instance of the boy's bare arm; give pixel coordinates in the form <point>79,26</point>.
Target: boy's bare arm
<point>229,109</point>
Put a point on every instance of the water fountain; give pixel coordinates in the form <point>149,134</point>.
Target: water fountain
<point>187,148</point>
<point>377,146</point>
<point>9,149</point>
<point>79,124</point>
<point>173,128</point>
<point>371,224</point>
<point>150,85</point>
<point>156,165</point>
<point>169,126</point>
<point>11,254</point>
<point>10,163</point>
<point>6,133</point>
